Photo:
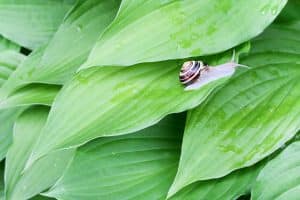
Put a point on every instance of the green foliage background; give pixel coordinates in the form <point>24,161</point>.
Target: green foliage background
<point>91,107</point>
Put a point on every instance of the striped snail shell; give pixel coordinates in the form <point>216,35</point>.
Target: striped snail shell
<point>190,72</point>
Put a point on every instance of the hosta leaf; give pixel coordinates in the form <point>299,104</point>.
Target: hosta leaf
<point>74,39</point>
<point>19,78</point>
<point>249,118</point>
<point>229,187</point>
<point>23,184</point>
<point>136,166</point>
<point>34,94</point>
<point>31,23</point>
<point>280,178</point>
<point>70,46</point>
<point>116,100</point>
<point>9,61</point>
<point>8,45</point>
<point>7,119</point>
<point>172,29</point>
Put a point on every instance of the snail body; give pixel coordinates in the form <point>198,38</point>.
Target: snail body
<point>191,71</point>
<point>195,74</point>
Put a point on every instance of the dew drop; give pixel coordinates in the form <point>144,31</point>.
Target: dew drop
<point>274,10</point>
<point>264,10</point>
<point>78,28</point>
<point>82,79</point>
<point>25,187</point>
<point>30,72</point>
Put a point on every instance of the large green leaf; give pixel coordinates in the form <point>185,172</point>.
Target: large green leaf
<point>227,188</point>
<point>132,166</point>
<point>254,114</point>
<point>31,23</point>
<point>116,100</point>
<point>23,184</point>
<point>70,46</point>
<point>136,166</point>
<point>280,178</point>
<point>172,29</point>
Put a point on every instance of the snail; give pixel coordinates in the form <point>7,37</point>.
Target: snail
<point>195,74</point>
<point>191,71</point>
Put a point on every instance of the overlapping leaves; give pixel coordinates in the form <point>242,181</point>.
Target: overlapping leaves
<point>253,115</point>
<point>114,100</point>
<point>55,62</point>
<point>280,178</point>
<point>136,166</point>
<point>10,59</point>
<point>141,166</point>
<point>242,122</point>
<point>21,183</point>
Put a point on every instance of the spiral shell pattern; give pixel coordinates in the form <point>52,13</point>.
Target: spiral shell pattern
<point>190,72</point>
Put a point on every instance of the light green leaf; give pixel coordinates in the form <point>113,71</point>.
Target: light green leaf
<point>229,187</point>
<point>7,119</point>
<point>31,23</point>
<point>116,100</point>
<point>8,45</point>
<point>280,178</point>
<point>74,39</point>
<point>23,184</point>
<point>19,78</point>
<point>34,94</point>
<point>253,115</point>
<point>172,29</point>
<point>9,61</point>
<point>70,46</point>
<point>136,166</point>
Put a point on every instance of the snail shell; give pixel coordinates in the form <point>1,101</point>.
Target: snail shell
<point>190,72</point>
